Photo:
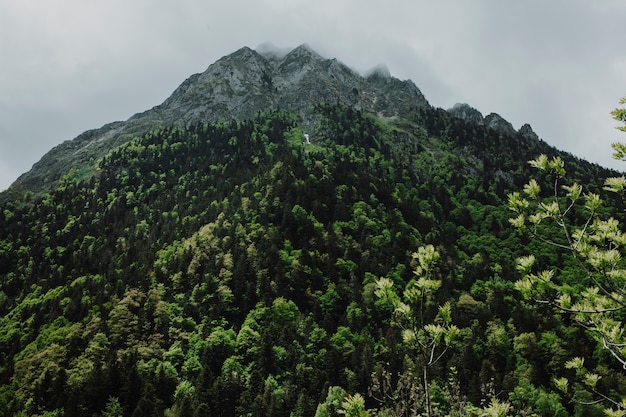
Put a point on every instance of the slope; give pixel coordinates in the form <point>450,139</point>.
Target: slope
<point>229,268</point>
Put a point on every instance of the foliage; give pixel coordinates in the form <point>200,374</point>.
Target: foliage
<point>427,337</point>
<point>593,290</point>
<point>233,269</point>
<point>353,406</point>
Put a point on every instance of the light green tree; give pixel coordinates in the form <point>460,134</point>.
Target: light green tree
<point>113,408</point>
<point>596,245</point>
<point>333,402</point>
<point>427,336</point>
<point>353,406</point>
<point>496,408</point>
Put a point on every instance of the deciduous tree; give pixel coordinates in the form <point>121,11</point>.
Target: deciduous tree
<point>581,225</point>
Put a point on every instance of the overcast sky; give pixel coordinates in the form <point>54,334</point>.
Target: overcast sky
<point>72,65</point>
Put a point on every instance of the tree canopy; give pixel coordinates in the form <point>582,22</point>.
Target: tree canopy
<point>238,268</point>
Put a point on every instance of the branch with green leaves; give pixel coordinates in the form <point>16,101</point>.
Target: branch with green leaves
<point>596,245</point>
<point>428,337</point>
<point>570,219</point>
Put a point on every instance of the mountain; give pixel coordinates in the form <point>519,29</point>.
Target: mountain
<point>235,87</point>
<point>242,248</point>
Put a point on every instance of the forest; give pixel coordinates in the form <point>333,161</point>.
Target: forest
<point>235,269</point>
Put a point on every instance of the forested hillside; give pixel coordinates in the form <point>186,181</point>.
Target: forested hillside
<point>234,269</point>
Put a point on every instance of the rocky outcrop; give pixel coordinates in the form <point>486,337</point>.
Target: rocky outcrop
<point>492,121</point>
<point>527,132</point>
<point>496,122</point>
<point>467,113</point>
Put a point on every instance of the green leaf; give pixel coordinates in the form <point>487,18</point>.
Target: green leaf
<point>591,380</point>
<point>562,384</point>
<point>496,408</point>
<point>551,209</point>
<point>620,150</point>
<point>557,166</point>
<point>435,331</point>
<point>353,406</point>
<point>428,285</point>
<point>525,286</point>
<point>384,290</point>
<point>519,221</point>
<point>540,163</point>
<point>452,333</point>
<point>445,312</point>
<point>545,276</point>
<point>577,364</point>
<point>517,203</point>
<point>525,264</point>
<point>620,412</point>
<point>403,310</point>
<point>592,202</point>
<point>532,189</point>
<point>574,191</point>
<point>615,184</point>
<point>427,256</point>
<point>564,301</point>
<point>408,336</point>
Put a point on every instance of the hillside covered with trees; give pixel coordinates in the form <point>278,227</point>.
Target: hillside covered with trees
<point>252,268</point>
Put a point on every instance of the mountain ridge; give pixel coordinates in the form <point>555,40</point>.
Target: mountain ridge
<point>236,86</point>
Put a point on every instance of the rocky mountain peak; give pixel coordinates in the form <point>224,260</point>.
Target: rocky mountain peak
<point>303,51</point>
<point>238,86</point>
<point>468,113</point>
<point>379,71</point>
<point>243,53</point>
<point>492,121</point>
<point>527,132</point>
<point>499,124</point>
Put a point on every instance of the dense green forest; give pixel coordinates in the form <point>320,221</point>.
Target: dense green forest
<point>234,269</point>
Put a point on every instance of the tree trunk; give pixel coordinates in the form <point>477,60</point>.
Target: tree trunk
<point>429,411</point>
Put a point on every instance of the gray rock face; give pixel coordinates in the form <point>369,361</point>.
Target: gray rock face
<point>499,124</point>
<point>467,113</point>
<point>492,121</point>
<point>237,86</point>
<point>527,132</point>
